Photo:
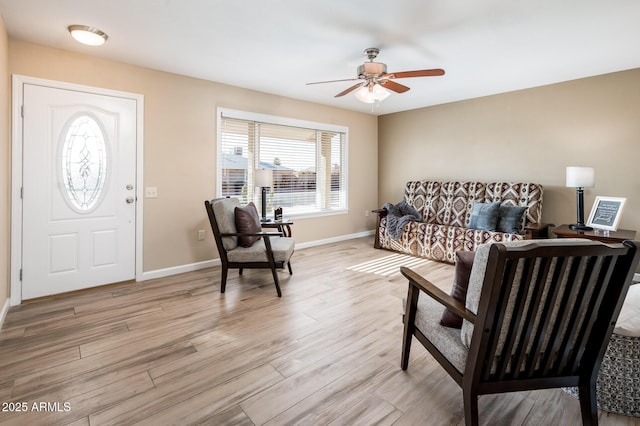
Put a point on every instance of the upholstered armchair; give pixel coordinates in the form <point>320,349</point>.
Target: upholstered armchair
<point>248,247</point>
<point>537,315</point>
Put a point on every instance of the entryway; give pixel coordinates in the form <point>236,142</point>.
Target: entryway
<point>79,216</point>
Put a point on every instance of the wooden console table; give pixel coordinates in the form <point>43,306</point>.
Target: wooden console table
<point>563,231</point>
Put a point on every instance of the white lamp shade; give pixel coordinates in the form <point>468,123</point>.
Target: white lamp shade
<point>363,95</point>
<point>263,178</point>
<point>581,177</point>
<point>370,94</point>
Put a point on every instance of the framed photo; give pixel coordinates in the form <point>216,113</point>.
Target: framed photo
<point>606,212</point>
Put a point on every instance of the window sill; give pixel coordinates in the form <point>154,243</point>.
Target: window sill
<point>312,215</point>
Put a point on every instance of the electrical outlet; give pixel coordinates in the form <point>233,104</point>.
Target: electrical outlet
<point>151,192</point>
<point>200,234</point>
<point>367,213</point>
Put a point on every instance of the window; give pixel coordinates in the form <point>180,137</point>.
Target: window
<point>83,161</point>
<point>307,162</point>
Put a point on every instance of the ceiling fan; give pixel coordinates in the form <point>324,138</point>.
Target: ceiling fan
<point>374,79</point>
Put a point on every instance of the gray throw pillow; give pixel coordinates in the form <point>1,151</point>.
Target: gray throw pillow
<point>510,219</point>
<point>484,216</point>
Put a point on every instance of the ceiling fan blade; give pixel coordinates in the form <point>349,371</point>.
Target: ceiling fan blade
<point>416,73</point>
<point>349,90</point>
<point>392,85</point>
<point>333,81</point>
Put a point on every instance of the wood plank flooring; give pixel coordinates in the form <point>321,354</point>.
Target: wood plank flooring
<point>176,351</point>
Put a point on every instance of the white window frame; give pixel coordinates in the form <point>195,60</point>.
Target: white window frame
<point>285,121</point>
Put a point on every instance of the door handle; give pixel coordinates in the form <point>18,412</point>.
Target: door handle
<point>129,200</point>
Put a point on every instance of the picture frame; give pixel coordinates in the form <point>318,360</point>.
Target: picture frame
<point>606,212</point>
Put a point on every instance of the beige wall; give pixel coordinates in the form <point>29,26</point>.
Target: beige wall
<point>527,135</point>
<point>5,170</point>
<point>180,148</point>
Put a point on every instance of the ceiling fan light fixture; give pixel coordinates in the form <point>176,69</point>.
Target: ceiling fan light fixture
<point>88,35</point>
<point>371,93</point>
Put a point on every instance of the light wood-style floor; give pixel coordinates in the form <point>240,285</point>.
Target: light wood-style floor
<point>176,351</point>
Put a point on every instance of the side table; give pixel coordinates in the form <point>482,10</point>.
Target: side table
<point>283,226</point>
<point>563,231</point>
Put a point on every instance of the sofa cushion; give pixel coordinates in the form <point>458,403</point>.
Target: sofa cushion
<point>247,220</point>
<point>223,209</point>
<point>464,262</point>
<point>484,216</point>
<point>282,248</point>
<point>510,219</point>
<point>445,339</point>
<point>436,242</point>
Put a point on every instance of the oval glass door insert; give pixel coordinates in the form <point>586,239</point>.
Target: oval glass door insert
<point>84,163</point>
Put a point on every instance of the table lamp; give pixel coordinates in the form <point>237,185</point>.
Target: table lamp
<point>580,178</point>
<point>264,180</point>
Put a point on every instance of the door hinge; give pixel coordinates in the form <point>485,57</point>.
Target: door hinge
<point>21,192</point>
<point>22,111</point>
<point>20,274</point>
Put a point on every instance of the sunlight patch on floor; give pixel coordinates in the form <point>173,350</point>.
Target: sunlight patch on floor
<point>388,265</point>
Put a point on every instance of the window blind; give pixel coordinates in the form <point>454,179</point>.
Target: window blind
<point>308,164</point>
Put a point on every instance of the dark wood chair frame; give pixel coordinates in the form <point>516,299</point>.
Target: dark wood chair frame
<point>271,263</point>
<point>570,365</point>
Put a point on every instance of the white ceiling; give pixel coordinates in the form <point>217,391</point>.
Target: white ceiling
<point>276,46</point>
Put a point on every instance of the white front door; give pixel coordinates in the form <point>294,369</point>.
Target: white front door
<point>79,190</point>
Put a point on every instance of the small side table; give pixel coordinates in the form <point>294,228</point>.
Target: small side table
<point>283,226</point>
<point>563,231</point>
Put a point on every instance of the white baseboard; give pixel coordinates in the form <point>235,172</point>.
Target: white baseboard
<point>335,239</point>
<point>3,313</point>
<point>165,272</point>
<point>174,270</point>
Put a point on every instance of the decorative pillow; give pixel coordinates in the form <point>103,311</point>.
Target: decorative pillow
<point>484,216</point>
<point>510,219</point>
<point>464,262</point>
<point>247,220</point>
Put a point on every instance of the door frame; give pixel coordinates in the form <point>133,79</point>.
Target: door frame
<point>18,82</point>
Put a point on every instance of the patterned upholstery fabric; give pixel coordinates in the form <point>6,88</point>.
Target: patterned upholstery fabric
<point>446,210</point>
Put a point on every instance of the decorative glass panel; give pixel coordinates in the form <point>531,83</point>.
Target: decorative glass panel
<point>84,163</point>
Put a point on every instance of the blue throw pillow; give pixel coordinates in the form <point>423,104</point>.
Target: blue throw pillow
<point>484,216</point>
<point>510,219</point>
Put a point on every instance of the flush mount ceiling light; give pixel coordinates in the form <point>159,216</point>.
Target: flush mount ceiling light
<point>88,35</point>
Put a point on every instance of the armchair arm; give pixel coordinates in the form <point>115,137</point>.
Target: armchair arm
<point>534,231</point>
<point>380,213</point>
<point>252,234</point>
<point>437,294</point>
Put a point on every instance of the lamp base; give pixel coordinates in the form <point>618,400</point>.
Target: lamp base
<point>580,227</point>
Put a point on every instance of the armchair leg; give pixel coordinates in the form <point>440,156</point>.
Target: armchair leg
<point>275,280</point>
<point>289,265</point>
<point>240,271</point>
<point>588,405</point>
<point>223,280</point>
<point>470,408</point>
<point>409,318</point>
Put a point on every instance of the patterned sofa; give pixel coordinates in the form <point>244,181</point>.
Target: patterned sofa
<point>446,210</point>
